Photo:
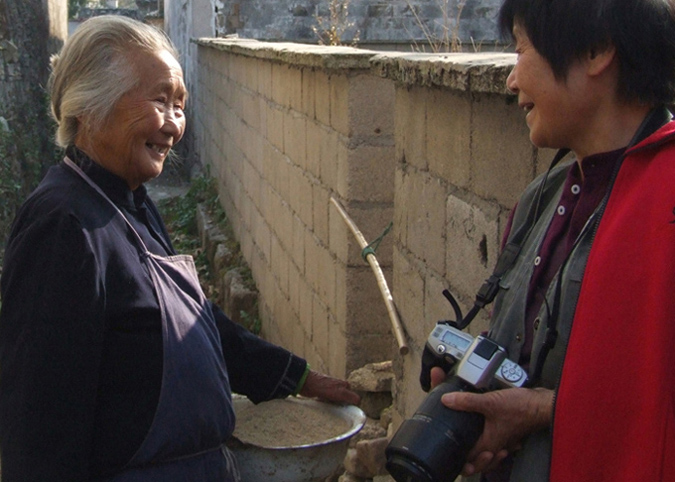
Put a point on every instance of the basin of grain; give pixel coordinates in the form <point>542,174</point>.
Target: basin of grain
<point>292,440</point>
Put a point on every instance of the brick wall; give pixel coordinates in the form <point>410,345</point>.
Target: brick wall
<point>432,142</point>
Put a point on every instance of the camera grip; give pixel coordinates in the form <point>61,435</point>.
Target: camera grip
<point>431,359</point>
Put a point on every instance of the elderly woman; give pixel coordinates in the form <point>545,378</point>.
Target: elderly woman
<point>114,366</point>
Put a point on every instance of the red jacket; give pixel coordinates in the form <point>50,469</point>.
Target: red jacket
<point>615,408</point>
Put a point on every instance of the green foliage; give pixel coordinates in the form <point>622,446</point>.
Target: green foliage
<point>250,321</point>
<point>179,215</point>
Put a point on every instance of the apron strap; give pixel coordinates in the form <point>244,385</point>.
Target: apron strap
<point>68,162</point>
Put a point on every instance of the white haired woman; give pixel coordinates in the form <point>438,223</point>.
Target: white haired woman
<point>113,365</point>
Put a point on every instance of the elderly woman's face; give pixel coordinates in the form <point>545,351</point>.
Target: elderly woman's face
<point>144,124</point>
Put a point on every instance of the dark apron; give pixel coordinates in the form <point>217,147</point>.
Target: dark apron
<point>194,416</point>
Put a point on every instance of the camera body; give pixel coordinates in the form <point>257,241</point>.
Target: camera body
<point>433,444</point>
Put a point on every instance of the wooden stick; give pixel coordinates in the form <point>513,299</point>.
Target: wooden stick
<point>396,326</point>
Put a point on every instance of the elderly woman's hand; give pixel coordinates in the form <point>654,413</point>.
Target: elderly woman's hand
<point>329,389</point>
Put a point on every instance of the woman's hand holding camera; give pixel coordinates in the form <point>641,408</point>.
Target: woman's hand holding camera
<point>510,415</point>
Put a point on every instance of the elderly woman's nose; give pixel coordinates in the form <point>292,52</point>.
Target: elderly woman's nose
<point>174,122</point>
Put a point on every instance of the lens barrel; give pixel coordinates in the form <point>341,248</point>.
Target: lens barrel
<point>433,444</point>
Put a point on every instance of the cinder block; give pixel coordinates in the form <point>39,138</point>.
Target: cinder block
<point>371,106</point>
<point>340,310</point>
<point>322,97</point>
<point>426,218</point>
<point>251,180</point>
<point>408,293</point>
<point>328,148</point>
<point>270,172</point>
<point>275,127</point>
<point>366,310</point>
<point>339,235</point>
<point>279,264</point>
<point>299,234</point>
<point>410,126</point>
<point>472,243</point>
<point>264,78</point>
<point>262,237</point>
<point>449,136</point>
<point>263,108</point>
<point>339,104</point>
<point>300,195</point>
<point>337,352</point>
<point>503,157</point>
<point>312,256</point>
<point>365,349</point>
<point>319,326</point>
<point>306,303</point>
<point>313,142</point>
<point>326,277</point>
<point>294,289</point>
<point>320,206</point>
<point>366,173</point>
<point>251,67</point>
<point>294,84</point>
<point>251,109</point>
<point>308,107</point>
<point>281,86</point>
<point>295,138</point>
<point>401,200</point>
<point>283,185</point>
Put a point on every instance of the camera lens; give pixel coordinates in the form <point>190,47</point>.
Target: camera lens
<point>433,444</point>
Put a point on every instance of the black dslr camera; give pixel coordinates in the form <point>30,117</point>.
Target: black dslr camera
<point>432,446</point>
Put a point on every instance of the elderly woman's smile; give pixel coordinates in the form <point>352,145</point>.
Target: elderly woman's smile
<point>144,124</point>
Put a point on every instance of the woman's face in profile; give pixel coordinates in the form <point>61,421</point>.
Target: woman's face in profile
<point>146,122</point>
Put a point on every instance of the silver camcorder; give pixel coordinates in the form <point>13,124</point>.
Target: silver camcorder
<point>480,359</point>
<point>433,444</point>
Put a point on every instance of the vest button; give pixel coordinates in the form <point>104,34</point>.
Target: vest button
<point>536,323</point>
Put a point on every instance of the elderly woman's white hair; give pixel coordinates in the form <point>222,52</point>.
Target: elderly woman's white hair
<point>92,71</point>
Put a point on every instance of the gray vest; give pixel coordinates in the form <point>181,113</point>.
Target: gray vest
<point>532,462</point>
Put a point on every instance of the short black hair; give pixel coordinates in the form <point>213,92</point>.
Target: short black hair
<point>642,31</point>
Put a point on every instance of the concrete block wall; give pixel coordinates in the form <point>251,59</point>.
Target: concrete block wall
<point>284,127</point>
<point>432,142</point>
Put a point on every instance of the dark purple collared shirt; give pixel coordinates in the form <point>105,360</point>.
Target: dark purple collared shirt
<point>581,195</point>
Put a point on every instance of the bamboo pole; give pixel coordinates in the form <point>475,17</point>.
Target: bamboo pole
<point>396,326</point>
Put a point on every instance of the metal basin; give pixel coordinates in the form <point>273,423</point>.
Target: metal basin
<point>312,462</point>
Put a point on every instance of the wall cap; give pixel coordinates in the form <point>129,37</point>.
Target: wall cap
<point>301,55</point>
<point>484,72</point>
